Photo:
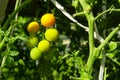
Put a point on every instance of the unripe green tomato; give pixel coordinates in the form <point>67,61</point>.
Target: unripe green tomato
<point>35,53</point>
<point>32,41</point>
<point>51,34</point>
<point>44,45</point>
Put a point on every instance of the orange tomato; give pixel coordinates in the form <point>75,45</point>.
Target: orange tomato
<point>48,20</point>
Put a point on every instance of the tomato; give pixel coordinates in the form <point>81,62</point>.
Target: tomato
<point>48,20</point>
<point>44,45</point>
<point>32,41</point>
<point>35,53</point>
<point>51,34</point>
<point>33,27</point>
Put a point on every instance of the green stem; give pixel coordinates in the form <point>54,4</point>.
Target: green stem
<point>78,14</point>
<point>4,39</point>
<point>26,2</point>
<point>114,60</point>
<point>91,59</point>
<point>4,58</point>
<point>108,37</point>
<point>118,10</point>
<point>92,53</point>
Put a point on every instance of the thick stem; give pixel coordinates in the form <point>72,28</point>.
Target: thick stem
<point>91,59</point>
<point>91,32</point>
<point>92,52</point>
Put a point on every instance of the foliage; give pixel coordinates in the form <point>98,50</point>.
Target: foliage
<point>88,40</point>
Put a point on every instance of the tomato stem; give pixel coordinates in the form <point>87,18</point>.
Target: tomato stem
<point>92,52</point>
<point>109,37</point>
<point>26,2</point>
<point>116,10</point>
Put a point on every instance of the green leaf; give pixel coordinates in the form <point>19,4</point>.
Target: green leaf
<point>112,45</point>
<point>10,61</point>
<point>111,55</point>
<point>21,62</point>
<point>76,53</point>
<point>3,53</point>
<point>65,56</point>
<point>14,53</point>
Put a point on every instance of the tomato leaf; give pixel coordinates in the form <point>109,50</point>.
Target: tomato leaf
<point>10,61</point>
<point>21,62</point>
<point>112,45</point>
<point>14,53</point>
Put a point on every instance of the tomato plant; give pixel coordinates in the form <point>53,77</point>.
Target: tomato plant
<point>59,40</point>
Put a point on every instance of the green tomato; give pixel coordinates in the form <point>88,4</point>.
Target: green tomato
<point>51,34</point>
<point>35,53</point>
<point>44,45</point>
<point>32,41</point>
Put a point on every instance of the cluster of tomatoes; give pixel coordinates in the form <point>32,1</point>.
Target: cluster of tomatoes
<point>51,35</point>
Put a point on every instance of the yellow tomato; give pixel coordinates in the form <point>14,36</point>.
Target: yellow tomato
<point>48,20</point>
<point>33,27</point>
<point>51,34</point>
<point>44,45</point>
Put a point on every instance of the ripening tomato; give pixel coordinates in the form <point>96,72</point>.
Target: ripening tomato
<point>35,53</point>
<point>48,20</point>
<point>44,45</point>
<point>33,27</point>
<point>51,34</point>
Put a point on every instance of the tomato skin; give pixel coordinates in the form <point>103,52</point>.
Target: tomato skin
<point>51,34</point>
<point>35,53</point>
<point>44,45</point>
<point>33,27</point>
<point>48,20</point>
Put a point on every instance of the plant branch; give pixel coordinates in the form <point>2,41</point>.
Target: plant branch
<point>61,8</point>
<point>5,37</point>
<point>109,37</point>
<point>118,10</point>
<point>79,13</point>
<point>26,2</point>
